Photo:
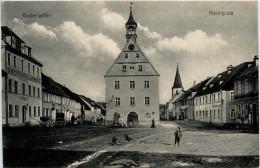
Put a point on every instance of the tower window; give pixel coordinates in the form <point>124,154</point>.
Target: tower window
<point>126,55</point>
<point>124,68</point>
<point>9,59</point>
<point>140,68</point>
<point>132,101</point>
<point>137,55</point>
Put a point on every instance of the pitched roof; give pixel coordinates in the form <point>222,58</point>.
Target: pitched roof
<point>177,80</point>
<point>252,69</point>
<point>8,32</point>
<point>223,81</point>
<point>49,85</point>
<point>131,60</point>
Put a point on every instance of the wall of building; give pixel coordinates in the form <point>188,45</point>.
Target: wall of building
<point>139,93</point>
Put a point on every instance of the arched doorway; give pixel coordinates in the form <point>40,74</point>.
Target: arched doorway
<point>132,119</point>
<point>24,113</point>
<point>116,118</point>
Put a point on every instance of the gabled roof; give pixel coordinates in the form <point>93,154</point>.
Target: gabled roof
<point>8,32</point>
<point>223,81</point>
<point>177,80</point>
<point>252,69</point>
<point>131,60</point>
<point>102,105</point>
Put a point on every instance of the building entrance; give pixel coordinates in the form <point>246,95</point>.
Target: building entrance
<point>132,119</point>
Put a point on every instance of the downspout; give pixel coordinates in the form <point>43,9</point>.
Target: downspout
<point>6,93</point>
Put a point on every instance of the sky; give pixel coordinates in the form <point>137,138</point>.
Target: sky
<point>77,42</point>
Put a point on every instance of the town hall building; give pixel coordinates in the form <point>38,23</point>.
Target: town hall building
<point>132,84</point>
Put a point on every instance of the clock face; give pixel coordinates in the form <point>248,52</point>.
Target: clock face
<point>131,47</point>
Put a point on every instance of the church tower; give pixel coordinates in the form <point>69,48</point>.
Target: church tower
<point>177,86</point>
<point>132,84</point>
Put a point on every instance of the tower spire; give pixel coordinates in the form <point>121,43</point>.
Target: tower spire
<point>177,85</point>
<point>131,26</point>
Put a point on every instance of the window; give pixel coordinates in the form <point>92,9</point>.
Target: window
<point>9,59</point>
<point>246,86</point>
<point>11,111</point>
<point>214,113</point>
<point>30,111</point>
<point>218,96</point>
<point>23,88</point>
<point>196,113</point>
<point>132,101</point>
<point>15,61</point>
<point>232,113</point>
<point>117,101</point>
<point>22,65</point>
<point>29,88</point>
<point>126,55</point>
<point>15,86</point>
<point>146,84</point>
<point>117,85</point>
<point>132,67</point>
<point>29,68</point>
<point>147,100</point>
<point>203,100</point>
<point>214,99</point>
<point>147,115</point>
<point>239,87</point>
<point>232,95</point>
<point>203,114</point>
<point>34,91</point>
<point>206,113</point>
<point>16,111</point>
<point>124,68</point>
<point>218,114</point>
<point>43,112</point>
<point>10,85</point>
<point>34,111</point>
<point>33,69</point>
<point>47,112</point>
<point>39,111</point>
<point>38,72</point>
<point>140,68</point>
<point>210,96</point>
<point>137,55</point>
<point>132,84</point>
<point>38,92</point>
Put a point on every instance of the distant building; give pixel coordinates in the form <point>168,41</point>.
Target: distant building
<point>23,98</point>
<point>177,91</point>
<point>246,95</point>
<point>162,112</point>
<point>213,102</point>
<point>132,85</point>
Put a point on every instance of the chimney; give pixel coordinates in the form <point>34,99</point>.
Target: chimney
<point>229,68</point>
<point>256,60</point>
<point>194,83</point>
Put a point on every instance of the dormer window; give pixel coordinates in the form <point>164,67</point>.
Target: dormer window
<point>220,82</point>
<point>219,76</point>
<point>204,88</point>
<point>137,55</point>
<point>126,55</point>
<point>211,85</point>
<point>124,68</point>
<point>228,71</point>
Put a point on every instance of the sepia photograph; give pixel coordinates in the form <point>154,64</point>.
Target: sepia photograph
<point>129,84</point>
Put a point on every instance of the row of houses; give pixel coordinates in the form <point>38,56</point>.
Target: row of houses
<point>28,94</point>
<point>222,99</point>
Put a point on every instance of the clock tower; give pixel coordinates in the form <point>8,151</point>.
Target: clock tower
<point>132,84</point>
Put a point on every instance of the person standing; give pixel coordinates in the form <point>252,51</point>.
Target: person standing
<point>72,119</point>
<point>178,135</point>
<point>153,123</point>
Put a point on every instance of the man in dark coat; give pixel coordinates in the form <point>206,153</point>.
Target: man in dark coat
<point>178,135</point>
<point>153,123</point>
<point>72,119</point>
